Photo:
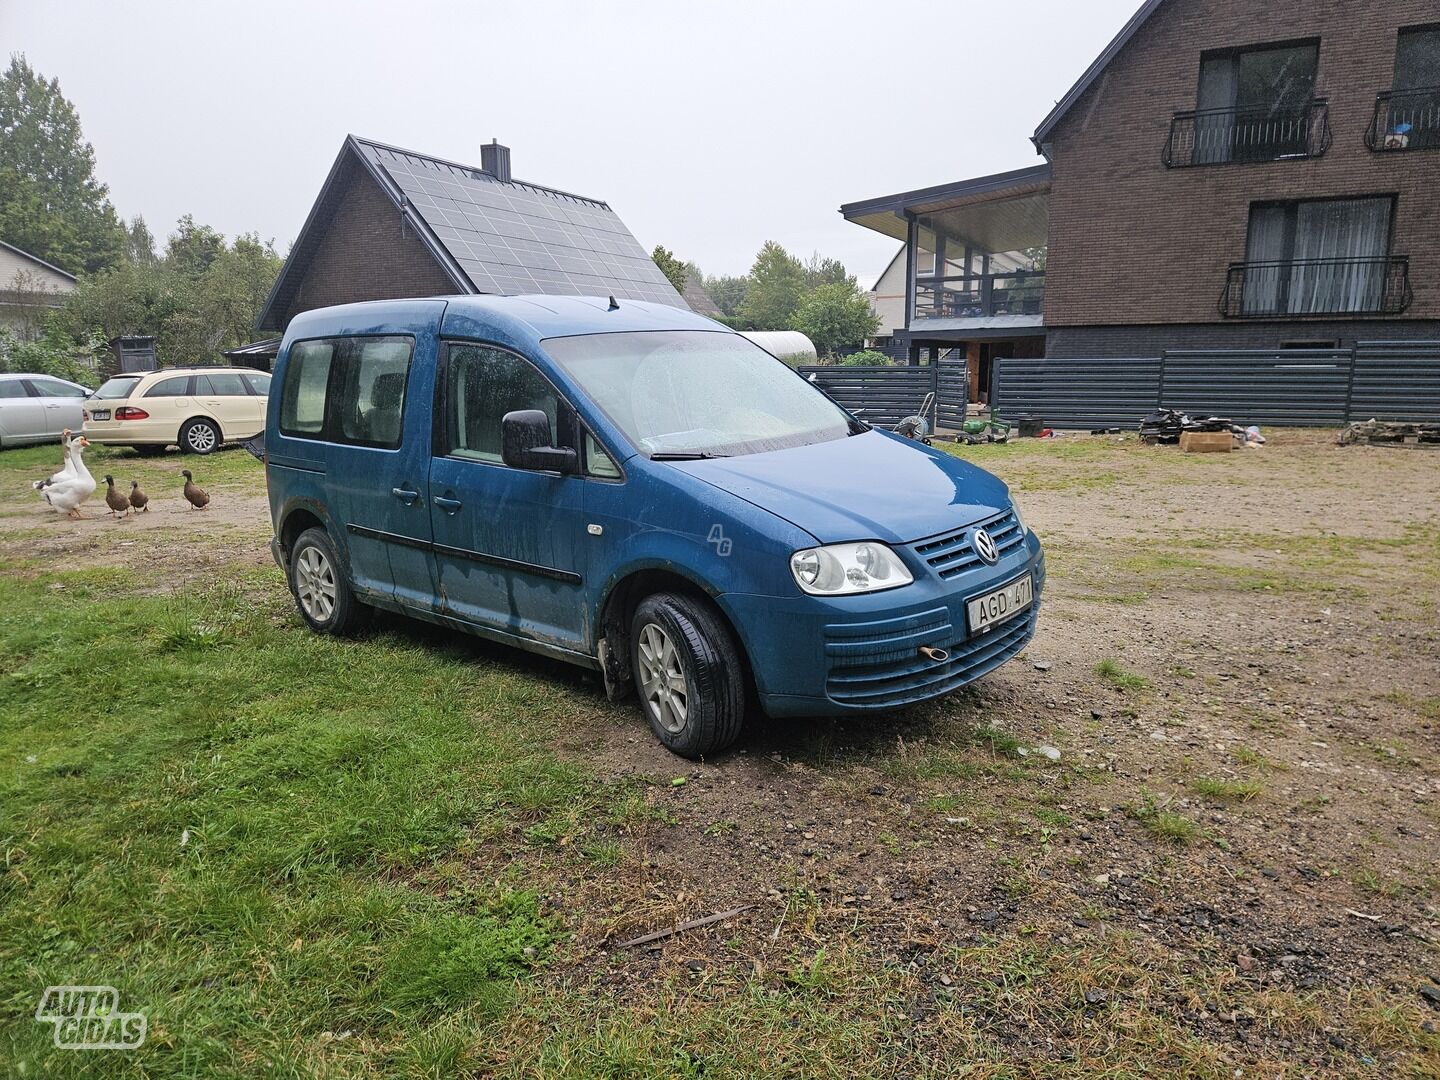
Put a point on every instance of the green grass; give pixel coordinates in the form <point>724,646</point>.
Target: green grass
<point>1110,670</point>
<point>1166,824</point>
<point>231,819</point>
<point>1226,790</point>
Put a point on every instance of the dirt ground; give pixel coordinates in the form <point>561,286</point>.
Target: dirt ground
<point>1238,663</point>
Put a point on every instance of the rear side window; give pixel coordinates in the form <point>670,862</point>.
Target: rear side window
<point>302,406</point>
<point>222,384</point>
<point>260,384</point>
<point>482,385</point>
<point>176,386</point>
<point>55,388</point>
<point>120,387</point>
<point>347,390</point>
<point>12,388</point>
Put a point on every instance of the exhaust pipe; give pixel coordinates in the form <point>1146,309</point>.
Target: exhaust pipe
<point>940,656</point>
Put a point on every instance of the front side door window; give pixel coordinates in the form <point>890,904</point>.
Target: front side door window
<point>509,543</point>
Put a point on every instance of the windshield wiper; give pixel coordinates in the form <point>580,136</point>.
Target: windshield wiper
<point>858,427</point>
<point>685,455</point>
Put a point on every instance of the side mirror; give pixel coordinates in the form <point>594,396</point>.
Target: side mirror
<point>526,443</point>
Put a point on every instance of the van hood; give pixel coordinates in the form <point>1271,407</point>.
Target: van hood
<point>875,486</point>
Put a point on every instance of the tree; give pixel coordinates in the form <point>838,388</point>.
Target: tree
<point>728,292</point>
<point>51,204</point>
<point>835,316</point>
<point>670,266</point>
<point>192,248</point>
<point>777,285</point>
<point>821,271</point>
<point>201,298</point>
<point>140,243</point>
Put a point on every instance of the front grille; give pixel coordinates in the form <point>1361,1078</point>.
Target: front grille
<point>952,554</point>
<point>892,677</point>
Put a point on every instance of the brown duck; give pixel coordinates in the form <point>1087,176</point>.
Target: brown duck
<point>138,499</point>
<point>118,502</point>
<point>197,497</point>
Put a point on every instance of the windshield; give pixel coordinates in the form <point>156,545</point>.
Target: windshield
<point>697,393</point>
<point>117,388</point>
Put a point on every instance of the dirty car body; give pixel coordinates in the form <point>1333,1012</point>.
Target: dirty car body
<point>638,490</point>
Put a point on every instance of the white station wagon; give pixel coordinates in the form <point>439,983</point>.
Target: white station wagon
<point>196,409</point>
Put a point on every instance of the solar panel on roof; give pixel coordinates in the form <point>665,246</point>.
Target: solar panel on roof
<point>515,238</point>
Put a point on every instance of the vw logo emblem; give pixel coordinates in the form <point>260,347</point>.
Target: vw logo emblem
<point>985,547</point>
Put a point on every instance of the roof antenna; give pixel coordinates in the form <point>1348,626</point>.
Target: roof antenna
<point>613,305</point>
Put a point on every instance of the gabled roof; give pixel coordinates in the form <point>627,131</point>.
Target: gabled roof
<point>1093,72</point>
<point>488,235</point>
<point>699,300</point>
<point>37,260</point>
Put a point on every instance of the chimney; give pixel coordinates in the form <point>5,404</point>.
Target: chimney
<point>495,160</point>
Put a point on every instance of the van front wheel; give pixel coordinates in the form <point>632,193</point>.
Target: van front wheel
<point>687,674</point>
<point>322,592</point>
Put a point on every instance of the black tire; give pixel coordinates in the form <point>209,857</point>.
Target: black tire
<point>199,436</point>
<point>714,691</point>
<point>315,571</point>
<point>148,449</point>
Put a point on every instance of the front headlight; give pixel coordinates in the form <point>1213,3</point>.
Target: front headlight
<point>1015,509</point>
<point>841,569</point>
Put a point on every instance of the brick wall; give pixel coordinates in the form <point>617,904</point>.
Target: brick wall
<point>365,254</point>
<point>1133,242</point>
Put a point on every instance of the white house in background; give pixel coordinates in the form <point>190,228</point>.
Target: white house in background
<point>887,300</point>
<point>30,288</point>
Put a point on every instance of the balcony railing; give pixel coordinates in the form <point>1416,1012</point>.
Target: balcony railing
<point>978,296</point>
<point>1405,120</point>
<point>1379,286</point>
<point>1217,136</point>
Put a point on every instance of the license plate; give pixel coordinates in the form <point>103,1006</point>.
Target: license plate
<point>994,608</point>
<point>99,414</point>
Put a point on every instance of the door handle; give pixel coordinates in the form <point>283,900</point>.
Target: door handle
<point>405,495</point>
<point>448,505</point>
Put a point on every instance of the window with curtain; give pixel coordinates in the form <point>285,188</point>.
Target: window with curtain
<point>1415,91</point>
<point>1317,256</point>
<point>1254,104</point>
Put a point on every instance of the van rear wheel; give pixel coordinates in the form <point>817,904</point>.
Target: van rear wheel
<point>687,674</point>
<point>321,590</point>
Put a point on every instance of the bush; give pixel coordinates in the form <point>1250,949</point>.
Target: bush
<point>53,354</point>
<point>867,358</point>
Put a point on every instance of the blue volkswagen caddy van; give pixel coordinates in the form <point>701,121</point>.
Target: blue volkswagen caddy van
<point>641,491</point>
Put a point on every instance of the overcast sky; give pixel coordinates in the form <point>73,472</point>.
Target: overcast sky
<point>709,128</point>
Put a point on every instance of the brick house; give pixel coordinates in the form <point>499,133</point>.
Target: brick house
<point>391,223</point>
<point>1226,174</point>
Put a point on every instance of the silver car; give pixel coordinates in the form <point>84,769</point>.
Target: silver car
<point>37,408</point>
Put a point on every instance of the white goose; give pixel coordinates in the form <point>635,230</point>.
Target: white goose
<point>70,492</point>
<point>67,470</point>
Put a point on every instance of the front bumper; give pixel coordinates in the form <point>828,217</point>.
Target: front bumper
<point>817,656</point>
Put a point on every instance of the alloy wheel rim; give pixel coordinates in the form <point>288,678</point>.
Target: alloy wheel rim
<point>202,438</point>
<point>662,680</point>
<point>315,584</point>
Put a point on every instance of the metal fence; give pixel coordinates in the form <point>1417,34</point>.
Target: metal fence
<point>1396,380</point>
<point>1381,380</point>
<point>882,396</point>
